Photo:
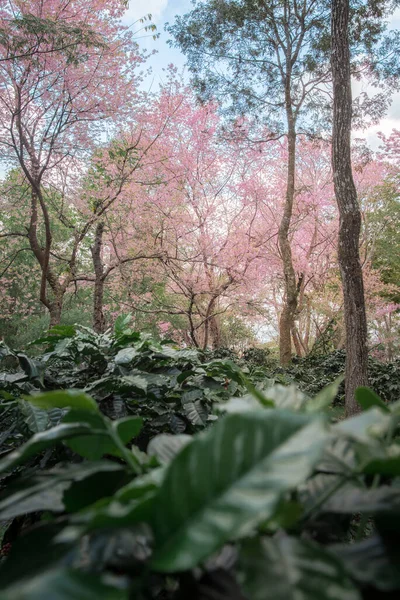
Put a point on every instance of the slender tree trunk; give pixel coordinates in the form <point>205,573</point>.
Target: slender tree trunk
<point>286,322</point>
<point>297,341</point>
<point>388,327</point>
<point>43,255</point>
<point>99,322</point>
<point>349,211</point>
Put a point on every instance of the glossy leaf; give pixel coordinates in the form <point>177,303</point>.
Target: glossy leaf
<point>128,428</point>
<point>64,399</point>
<point>367,399</point>
<point>228,480</point>
<point>46,491</point>
<point>41,441</point>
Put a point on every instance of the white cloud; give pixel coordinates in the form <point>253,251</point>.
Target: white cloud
<point>140,8</point>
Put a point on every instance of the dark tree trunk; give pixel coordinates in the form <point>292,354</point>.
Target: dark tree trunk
<point>55,310</point>
<point>99,322</point>
<point>215,332</point>
<point>286,322</point>
<point>349,211</point>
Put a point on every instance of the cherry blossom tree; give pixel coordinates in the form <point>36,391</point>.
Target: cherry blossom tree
<point>54,108</point>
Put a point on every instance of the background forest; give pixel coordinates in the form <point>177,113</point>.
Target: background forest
<point>199,278</point>
<point>152,204</point>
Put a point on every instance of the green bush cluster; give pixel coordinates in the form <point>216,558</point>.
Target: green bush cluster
<point>257,494</point>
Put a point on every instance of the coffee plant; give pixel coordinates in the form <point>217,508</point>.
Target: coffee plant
<point>256,495</point>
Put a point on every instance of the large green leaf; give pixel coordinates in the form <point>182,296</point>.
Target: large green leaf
<point>64,399</point>
<point>228,480</point>
<point>41,441</point>
<point>98,483</point>
<point>286,568</point>
<point>325,397</point>
<point>63,584</point>
<point>46,491</point>
<point>367,399</point>
<point>365,427</point>
<point>92,447</point>
<point>288,397</point>
<point>127,428</point>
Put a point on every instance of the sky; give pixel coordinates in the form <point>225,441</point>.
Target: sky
<point>164,11</point>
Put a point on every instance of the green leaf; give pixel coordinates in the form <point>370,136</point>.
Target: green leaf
<point>166,446</point>
<point>121,323</point>
<point>64,399</point>
<point>63,584</point>
<point>116,514</point>
<point>238,405</point>
<point>41,441</point>
<point>96,484</point>
<point>36,418</point>
<point>194,410</point>
<point>92,446</point>
<point>28,366</point>
<point>286,397</point>
<point>140,486</point>
<point>286,568</point>
<point>367,398</point>
<point>126,356</point>
<point>228,480</point>
<point>325,397</point>
<point>184,375</point>
<point>40,495</point>
<point>56,333</point>
<point>46,490</point>
<point>128,428</point>
<point>366,427</point>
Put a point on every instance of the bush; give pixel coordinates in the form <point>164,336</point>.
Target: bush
<point>117,487</point>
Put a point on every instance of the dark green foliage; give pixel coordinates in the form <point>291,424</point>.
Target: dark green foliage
<point>313,373</point>
<point>101,498</point>
<point>125,371</point>
<point>241,511</point>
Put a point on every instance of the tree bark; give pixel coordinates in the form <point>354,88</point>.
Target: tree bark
<point>349,211</point>
<point>99,322</point>
<point>55,310</point>
<point>286,322</point>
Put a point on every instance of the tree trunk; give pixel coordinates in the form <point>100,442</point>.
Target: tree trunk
<point>296,341</point>
<point>99,322</point>
<point>55,309</point>
<point>286,322</point>
<point>215,332</point>
<point>349,211</point>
